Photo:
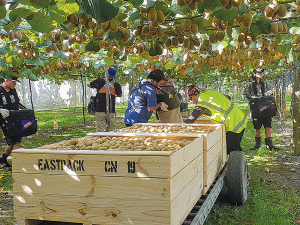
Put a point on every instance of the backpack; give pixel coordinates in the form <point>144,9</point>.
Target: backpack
<point>92,106</point>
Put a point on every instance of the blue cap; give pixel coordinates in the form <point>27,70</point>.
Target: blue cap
<point>112,72</point>
<point>14,79</point>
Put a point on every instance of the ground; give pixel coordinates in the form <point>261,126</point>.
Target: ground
<point>283,170</point>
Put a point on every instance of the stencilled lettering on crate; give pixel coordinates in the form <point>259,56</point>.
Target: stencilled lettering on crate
<point>59,164</point>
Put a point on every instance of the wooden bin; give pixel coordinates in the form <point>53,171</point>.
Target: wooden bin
<point>214,148</point>
<point>107,187</point>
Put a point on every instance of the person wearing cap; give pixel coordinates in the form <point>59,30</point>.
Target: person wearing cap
<point>167,93</point>
<point>219,109</point>
<point>143,100</point>
<point>106,122</point>
<point>9,100</point>
<point>256,89</point>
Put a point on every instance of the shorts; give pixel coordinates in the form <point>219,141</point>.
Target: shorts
<point>257,123</point>
<point>12,141</point>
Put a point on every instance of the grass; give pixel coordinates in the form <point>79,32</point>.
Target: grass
<point>268,202</point>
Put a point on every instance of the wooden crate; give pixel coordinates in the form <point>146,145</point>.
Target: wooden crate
<point>214,148</point>
<point>107,187</point>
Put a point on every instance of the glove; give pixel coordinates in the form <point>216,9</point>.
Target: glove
<point>164,107</point>
<point>4,113</point>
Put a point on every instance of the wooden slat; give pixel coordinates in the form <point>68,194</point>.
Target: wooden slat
<point>68,208</point>
<point>185,201</point>
<point>92,165</point>
<point>211,171</point>
<point>211,154</point>
<point>183,157</point>
<point>76,209</point>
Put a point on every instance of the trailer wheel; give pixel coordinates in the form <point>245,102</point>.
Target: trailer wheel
<point>237,177</point>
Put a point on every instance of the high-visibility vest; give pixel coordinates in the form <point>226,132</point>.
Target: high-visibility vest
<point>223,111</point>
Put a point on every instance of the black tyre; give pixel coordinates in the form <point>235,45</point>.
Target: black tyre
<point>237,177</point>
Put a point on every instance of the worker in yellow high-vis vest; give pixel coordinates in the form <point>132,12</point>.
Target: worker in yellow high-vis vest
<point>219,109</point>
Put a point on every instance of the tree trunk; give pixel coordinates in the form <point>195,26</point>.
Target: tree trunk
<point>296,113</point>
<point>131,81</point>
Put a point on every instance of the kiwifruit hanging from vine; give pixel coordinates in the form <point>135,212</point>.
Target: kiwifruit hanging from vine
<point>160,17</point>
<point>3,2</point>
<point>281,11</point>
<point>113,26</point>
<point>152,14</point>
<point>83,19</point>
<point>193,5</point>
<point>74,19</point>
<point>225,2</point>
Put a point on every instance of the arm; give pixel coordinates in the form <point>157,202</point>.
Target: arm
<point>268,89</point>
<point>247,94</point>
<point>151,109</point>
<point>198,111</point>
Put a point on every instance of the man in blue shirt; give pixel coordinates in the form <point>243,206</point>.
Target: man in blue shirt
<point>143,99</point>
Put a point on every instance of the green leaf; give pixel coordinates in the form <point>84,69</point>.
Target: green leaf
<point>13,25</point>
<point>205,67</point>
<point>136,3</point>
<point>100,10</point>
<point>68,7</point>
<point>255,29</point>
<point>200,7</point>
<point>19,13</point>
<point>225,15</point>
<point>243,9</point>
<point>199,22</point>
<point>109,61</point>
<point>4,50</point>
<point>41,23</point>
<point>135,59</point>
<point>169,65</point>
<point>93,46</point>
<point>45,43</point>
<point>15,60</point>
<point>2,12</point>
<point>56,14</point>
<point>248,65</point>
<point>134,15</point>
<point>2,64</point>
<point>278,37</point>
<point>8,74</point>
<point>136,23</point>
<point>33,77</point>
<point>25,72</point>
<point>212,4</point>
<point>150,3</point>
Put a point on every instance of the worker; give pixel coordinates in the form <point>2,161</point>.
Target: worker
<point>219,109</point>
<point>254,90</point>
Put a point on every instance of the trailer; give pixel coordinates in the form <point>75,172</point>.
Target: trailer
<point>172,184</point>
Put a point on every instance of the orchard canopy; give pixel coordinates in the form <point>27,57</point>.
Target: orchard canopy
<point>189,39</point>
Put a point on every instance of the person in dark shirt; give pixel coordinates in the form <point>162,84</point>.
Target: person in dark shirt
<point>9,100</point>
<point>106,121</point>
<point>255,89</point>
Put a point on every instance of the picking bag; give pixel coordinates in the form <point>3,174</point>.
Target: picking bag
<point>20,123</point>
<point>263,107</point>
<point>92,106</point>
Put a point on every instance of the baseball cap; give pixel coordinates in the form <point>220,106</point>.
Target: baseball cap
<point>112,72</point>
<point>157,75</point>
<point>14,79</point>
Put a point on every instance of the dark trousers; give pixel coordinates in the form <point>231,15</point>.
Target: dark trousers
<point>234,141</point>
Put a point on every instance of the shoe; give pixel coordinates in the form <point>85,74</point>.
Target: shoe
<point>258,143</point>
<point>4,163</point>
